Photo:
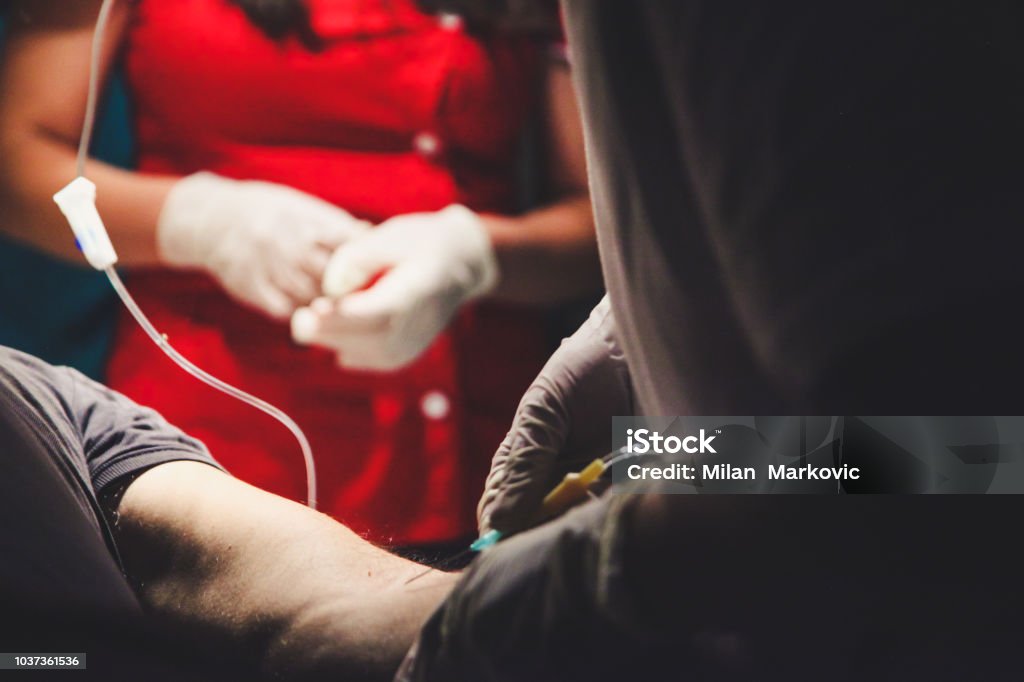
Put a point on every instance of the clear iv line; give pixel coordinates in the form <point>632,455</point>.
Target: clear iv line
<point>207,378</point>
<point>94,86</point>
<point>95,225</point>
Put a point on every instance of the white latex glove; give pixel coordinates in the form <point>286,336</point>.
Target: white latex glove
<point>266,244</point>
<point>432,263</point>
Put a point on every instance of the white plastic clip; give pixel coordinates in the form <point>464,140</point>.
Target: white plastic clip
<point>77,202</point>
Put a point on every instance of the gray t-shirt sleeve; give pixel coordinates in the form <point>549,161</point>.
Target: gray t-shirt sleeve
<point>119,437</point>
<point>101,433</point>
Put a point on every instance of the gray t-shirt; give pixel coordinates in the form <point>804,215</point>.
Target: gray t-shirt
<point>66,441</point>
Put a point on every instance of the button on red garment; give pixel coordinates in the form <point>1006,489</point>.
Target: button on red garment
<point>427,144</point>
<point>401,456</point>
<point>450,22</point>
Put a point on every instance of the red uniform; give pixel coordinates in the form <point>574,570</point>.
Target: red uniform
<point>400,112</point>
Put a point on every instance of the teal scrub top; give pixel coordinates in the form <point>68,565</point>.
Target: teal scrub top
<point>60,312</point>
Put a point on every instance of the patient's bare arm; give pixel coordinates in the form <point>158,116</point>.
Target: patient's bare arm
<point>276,579</point>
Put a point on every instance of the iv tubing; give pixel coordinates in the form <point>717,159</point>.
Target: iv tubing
<point>94,86</point>
<point>129,302</point>
<point>207,378</point>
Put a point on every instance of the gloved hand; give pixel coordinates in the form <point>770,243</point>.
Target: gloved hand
<point>562,423</point>
<point>432,263</point>
<point>267,244</point>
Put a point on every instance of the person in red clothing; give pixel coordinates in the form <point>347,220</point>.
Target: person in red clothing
<point>274,137</point>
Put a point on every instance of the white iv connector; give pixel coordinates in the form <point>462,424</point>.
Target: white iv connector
<point>77,202</point>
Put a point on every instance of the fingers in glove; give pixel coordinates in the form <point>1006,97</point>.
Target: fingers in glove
<point>295,283</point>
<point>338,319</point>
<point>391,297</point>
<point>369,343</point>
<point>273,301</point>
<point>314,264</point>
<point>313,210</point>
<point>493,485</point>
<point>353,265</point>
<point>304,325</point>
<point>322,324</point>
<point>332,236</point>
<point>529,469</point>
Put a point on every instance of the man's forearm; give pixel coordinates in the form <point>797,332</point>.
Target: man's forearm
<point>270,577</point>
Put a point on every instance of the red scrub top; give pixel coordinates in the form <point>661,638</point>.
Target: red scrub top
<point>399,112</point>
